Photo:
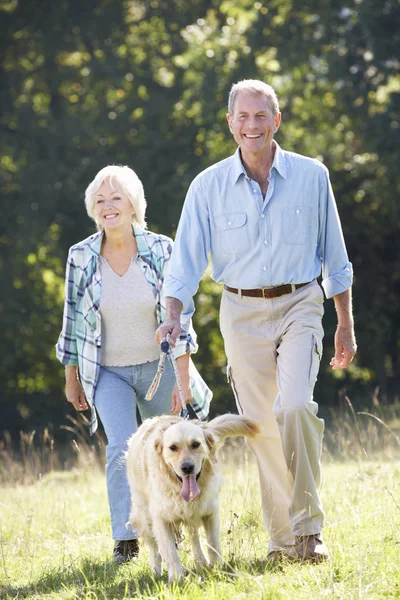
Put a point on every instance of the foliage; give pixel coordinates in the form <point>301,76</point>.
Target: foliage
<point>144,83</point>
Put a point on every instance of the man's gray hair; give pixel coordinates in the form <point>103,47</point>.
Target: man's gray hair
<point>257,88</point>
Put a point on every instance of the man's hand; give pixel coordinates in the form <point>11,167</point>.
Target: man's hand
<point>173,327</point>
<point>345,347</point>
<point>345,339</point>
<point>74,390</point>
<point>172,323</point>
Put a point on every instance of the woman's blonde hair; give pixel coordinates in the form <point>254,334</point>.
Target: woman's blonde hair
<point>129,183</point>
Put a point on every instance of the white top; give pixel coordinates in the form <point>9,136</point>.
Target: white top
<point>128,314</point>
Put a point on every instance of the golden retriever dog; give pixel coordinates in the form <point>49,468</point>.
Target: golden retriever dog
<point>175,478</point>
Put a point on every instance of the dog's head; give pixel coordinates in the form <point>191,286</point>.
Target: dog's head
<point>184,447</point>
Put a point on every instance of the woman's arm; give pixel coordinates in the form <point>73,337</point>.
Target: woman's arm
<point>66,347</point>
<point>183,368</point>
<point>73,389</point>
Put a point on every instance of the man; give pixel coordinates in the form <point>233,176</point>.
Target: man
<point>269,219</point>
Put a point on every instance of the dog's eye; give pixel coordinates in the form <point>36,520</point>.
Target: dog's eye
<point>173,448</point>
<point>195,445</point>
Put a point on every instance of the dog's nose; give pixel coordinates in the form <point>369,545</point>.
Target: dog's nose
<point>187,468</point>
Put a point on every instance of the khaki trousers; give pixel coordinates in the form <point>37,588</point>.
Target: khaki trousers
<point>274,347</point>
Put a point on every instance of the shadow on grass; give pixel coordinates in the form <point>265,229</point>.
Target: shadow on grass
<point>108,580</point>
<point>260,566</point>
<point>89,576</point>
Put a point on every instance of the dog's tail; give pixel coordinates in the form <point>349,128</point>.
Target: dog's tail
<point>233,425</point>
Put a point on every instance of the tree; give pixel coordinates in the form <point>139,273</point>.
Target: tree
<point>146,84</point>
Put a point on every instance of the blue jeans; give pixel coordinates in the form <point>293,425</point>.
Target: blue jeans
<point>119,391</point>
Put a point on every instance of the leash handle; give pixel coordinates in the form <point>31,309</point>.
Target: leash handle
<point>156,381</point>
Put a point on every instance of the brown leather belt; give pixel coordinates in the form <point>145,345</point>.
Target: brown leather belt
<point>275,292</point>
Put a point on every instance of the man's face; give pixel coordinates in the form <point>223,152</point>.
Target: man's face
<point>253,124</point>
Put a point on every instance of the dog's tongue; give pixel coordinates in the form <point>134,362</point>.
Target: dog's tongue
<point>190,489</point>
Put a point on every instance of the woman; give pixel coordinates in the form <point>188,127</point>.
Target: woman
<point>113,305</point>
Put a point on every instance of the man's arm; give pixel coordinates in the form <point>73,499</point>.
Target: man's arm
<point>345,340</point>
<point>188,261</point>
<point>172,323</point>
<point>337,273</point>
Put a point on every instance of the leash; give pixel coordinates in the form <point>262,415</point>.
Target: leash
<point>167,351</point>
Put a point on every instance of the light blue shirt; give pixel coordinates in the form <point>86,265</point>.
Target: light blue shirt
<point>289,236</point>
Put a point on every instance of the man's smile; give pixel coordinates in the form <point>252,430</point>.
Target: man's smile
<point>252,136</point>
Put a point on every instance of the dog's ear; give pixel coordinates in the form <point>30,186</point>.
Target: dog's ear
<point>211,441</point>
<point>158,443</point>
<point>233,425</point>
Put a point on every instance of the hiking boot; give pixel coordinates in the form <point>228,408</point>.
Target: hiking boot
<point>311,548</point>
<point>125,550</point>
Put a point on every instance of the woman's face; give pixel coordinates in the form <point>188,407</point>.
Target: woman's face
<point>112,207</point>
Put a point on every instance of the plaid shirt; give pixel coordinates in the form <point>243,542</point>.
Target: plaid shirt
<point>79,343</point>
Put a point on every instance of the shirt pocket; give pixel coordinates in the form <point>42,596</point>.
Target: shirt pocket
<point>296,224</point>
<point>233,233</point>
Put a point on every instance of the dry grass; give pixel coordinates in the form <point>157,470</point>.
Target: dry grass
<point>55,533</point>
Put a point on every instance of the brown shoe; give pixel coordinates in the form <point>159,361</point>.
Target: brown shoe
<point>125,550</point>
<point>311,548</point>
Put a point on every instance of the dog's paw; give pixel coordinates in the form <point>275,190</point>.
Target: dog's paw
<point>176,578</point>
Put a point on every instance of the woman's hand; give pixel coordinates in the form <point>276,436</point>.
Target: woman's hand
<point>176,397</point>
<point>183,368</point>
<point>74,390</point>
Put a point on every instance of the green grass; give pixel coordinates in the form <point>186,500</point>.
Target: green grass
<point>55,540</point>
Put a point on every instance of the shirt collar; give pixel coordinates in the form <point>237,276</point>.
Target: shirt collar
<point>237,167</point>
<point>279,164</point>
<point>280,161</point>
<point>143,248</point>
<point>95,242</point>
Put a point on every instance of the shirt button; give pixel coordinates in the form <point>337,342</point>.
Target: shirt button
<point>265,242</point>
<point>262,216</point>
<point>264,268</point>
<point>298,212</point>
<point>229,222</point>
<point>254,191</point>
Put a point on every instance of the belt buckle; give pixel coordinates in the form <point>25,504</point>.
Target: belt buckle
<point>263,293</point>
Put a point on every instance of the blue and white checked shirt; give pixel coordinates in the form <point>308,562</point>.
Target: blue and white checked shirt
<point>79,343</point>
<point>288,237</point>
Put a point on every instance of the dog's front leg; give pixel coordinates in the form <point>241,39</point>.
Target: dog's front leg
<point>155,556</point>
<point>164,534</point>
<point>211,526</point>
<point>198,553</point>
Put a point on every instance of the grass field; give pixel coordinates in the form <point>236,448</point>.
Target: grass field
<point>55,534</point>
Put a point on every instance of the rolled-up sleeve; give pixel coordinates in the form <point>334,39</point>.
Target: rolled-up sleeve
<point>337,271</point>
<point>66,349</point>
<point>192,244</point>
<point>187,339</point>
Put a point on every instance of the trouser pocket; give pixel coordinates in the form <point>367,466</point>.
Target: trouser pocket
<point>234,389</point>
<point>316,355</point>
